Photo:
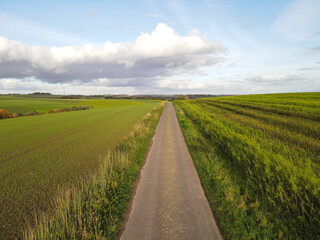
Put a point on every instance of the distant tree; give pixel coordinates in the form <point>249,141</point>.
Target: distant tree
<point>74,108</point>
<point>40,93</point>
<point>71,97</point>
<point>182,97</point>
<point>4,114</point>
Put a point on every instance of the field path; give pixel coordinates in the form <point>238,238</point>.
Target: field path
<point>169,202</point>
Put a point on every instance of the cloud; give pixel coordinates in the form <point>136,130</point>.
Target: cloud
<point>157,85</point>
<point>161,53</point>
<point>300,20</point>
<point>315,36</point>
<point>314,49</point>
<point>309,69</point>
<point>105,86</point>
<point>27,85</point>
<point>275,78</point>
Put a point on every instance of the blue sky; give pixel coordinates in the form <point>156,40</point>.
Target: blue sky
<point>218,47</point>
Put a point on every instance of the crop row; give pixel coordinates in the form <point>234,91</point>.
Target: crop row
<point>272,157</point>
<point>48,152</point>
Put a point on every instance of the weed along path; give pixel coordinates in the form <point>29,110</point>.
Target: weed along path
<point>169,202</point>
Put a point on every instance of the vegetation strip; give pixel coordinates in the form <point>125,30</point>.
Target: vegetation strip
<point>259,185</point>
<point>299,125</point>
<point>96,209</point>
<point>292,136</point>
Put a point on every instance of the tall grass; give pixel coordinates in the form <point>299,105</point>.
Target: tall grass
<point>271,159</point>
<point>95,209</point>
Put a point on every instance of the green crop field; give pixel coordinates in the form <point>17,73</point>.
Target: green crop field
<point>42,155</point>
<point>111,103</point>
<point>258,158</point>
<point>26,103</point>
<point>42,104</point>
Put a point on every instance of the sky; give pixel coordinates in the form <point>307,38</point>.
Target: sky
<point>159,47</point>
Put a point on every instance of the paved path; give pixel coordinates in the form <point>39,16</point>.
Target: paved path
<point>169,201</point>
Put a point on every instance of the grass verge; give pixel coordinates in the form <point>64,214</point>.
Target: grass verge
<point>95,209</point>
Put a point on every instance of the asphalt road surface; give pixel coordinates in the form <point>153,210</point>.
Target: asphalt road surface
<point>169,201</point>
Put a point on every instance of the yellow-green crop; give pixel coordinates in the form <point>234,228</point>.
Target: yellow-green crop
<point>259,160</point>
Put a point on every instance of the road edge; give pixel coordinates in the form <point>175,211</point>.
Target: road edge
<point>205,193</point>
<point>137,181</point>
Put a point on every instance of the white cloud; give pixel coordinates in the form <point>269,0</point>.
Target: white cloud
<point>299,21</point>
<point>275,78</point>
<point>161,53</point>
<point>158,85</point>
<point>181,84</point>
<point>309,69</point>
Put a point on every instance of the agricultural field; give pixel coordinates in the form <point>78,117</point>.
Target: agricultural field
<point>28,103</point>
<point>101,103</point>
<point>258,158</point>
<point>44,155</point>
<point>22,104</point>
